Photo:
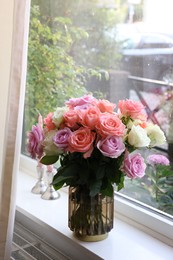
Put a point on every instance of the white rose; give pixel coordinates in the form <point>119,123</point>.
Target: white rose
<point>156,135</point>
<point>49,147</point>
<point>58,115</point>
<point>137,137</point>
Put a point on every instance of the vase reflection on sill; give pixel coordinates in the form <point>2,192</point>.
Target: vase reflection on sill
<point>90,218</point>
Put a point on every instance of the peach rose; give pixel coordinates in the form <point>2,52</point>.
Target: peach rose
<point>105,106</point>
<point>82,140</point>
<point>90,117</point>
<point>71,118</point>
<point>133,109</point>
<point>110,124</point>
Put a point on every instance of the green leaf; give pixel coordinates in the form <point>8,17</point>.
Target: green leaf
<point>49,159</point>
<point>69,170</point>
<point>83,176</point>
<point>58,185</point>
<point>66,174</point>
<point>59,181</point>
<point>164,171</point>
<point>108,190</point>
<point>100,173</point>
<point>111,172</point>
<point>120,185</point>
<point>95,187</point>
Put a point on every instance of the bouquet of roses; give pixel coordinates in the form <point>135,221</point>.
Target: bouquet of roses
<point>96,146</point>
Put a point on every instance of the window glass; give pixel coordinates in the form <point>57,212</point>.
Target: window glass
<point>76,47</point>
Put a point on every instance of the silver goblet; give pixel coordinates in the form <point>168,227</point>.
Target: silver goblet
<point>40,186</point>
<point>50,193</point>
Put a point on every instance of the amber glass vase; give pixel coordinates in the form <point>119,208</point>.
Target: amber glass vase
<point>90,218</point>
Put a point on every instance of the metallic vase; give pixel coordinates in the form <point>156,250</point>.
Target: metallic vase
<point>40,186</point>
<point>50,193</point>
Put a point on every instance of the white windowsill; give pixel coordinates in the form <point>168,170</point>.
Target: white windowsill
<point>124,242</point>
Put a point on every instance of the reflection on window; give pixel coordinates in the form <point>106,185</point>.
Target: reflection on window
<point>76,47</point>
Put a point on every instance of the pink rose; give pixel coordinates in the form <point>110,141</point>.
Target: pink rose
<point>133,109</point>
<point>81,103</point>
<point>71,118</point>
<point>105,106</point>
<point>35,138</point>
<point>133,165</point>
<point>111,146</point>
<point>48,122</point>
<point>82,140</point>
<point>90,117</point>
<point>110,124</point>
<point>158,159</point>
<point>61,139</point>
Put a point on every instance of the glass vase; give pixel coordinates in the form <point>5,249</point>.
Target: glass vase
<point>90,218</point>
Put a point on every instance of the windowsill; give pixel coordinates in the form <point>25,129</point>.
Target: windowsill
<point>124,241</point>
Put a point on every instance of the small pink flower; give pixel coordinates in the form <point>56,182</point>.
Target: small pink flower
<point>158,159</point>
<point>110,124</point>
<point>35,138</point>
<point>133,109</point>
<point>105,106</point>
<point>81,103</point>
<point>111,146</point>
<point>48,122</point>
<point>133,165</point>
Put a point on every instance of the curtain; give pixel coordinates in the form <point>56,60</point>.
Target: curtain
<point>12,97</point>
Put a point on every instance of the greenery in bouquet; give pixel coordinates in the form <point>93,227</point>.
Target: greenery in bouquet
<point>96,142</point>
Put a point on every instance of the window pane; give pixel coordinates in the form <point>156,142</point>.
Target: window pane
<point>106,47</point>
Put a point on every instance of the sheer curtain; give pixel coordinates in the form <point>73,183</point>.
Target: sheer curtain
<point>14,20</point>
